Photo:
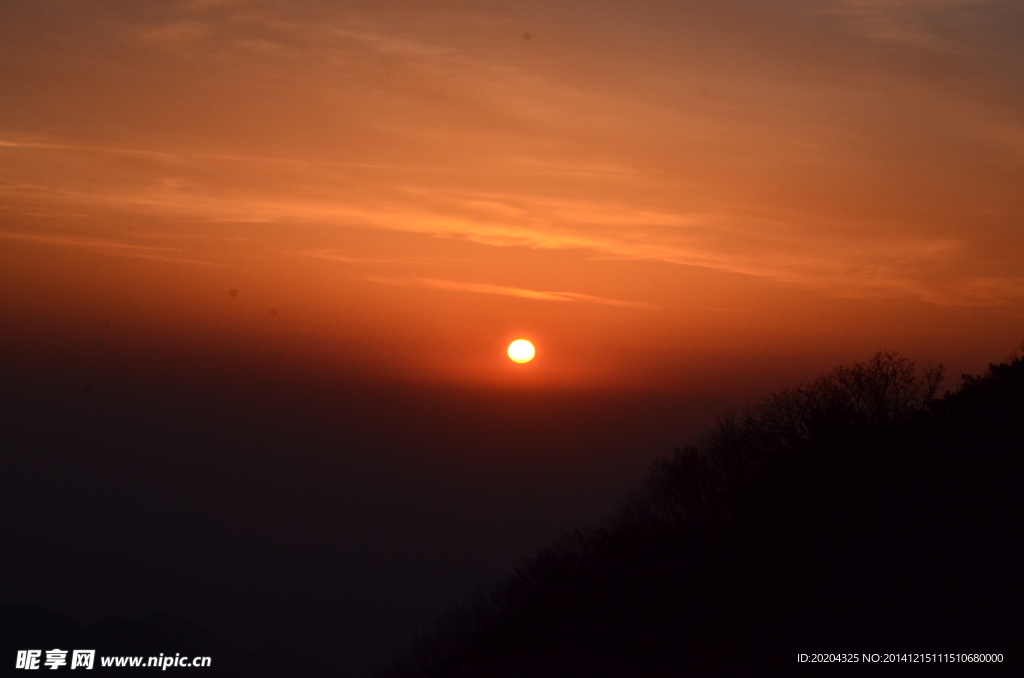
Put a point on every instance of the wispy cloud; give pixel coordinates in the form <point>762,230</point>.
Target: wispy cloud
<point>523,293</point>
<point>915,23</point>
<point>343,257</point>
<point>791,250</point>
<point>109,247</point>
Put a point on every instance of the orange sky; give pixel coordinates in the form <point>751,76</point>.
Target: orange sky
<point>653,192</point>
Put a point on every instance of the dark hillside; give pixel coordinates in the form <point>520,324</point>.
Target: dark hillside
<point>857,514</point>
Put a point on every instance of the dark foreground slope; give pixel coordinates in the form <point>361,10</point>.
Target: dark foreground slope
<point>857,514</point>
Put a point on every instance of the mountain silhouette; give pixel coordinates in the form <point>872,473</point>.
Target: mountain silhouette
<point>860,514</point>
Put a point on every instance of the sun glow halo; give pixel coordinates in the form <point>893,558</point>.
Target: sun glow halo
<point>521,351</point>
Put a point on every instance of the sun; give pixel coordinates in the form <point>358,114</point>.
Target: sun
<point>521,351</point>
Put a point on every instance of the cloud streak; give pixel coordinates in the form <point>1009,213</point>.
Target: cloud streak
<point>921,24</point>
<point>502,290</point>
<point>779,248</point>
<point>342,257</point>
<point>109,247</point>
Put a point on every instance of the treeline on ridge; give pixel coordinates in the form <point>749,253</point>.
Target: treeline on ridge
<point>859,513</point>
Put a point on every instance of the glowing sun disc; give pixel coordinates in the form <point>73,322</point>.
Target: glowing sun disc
<point>521,351</point>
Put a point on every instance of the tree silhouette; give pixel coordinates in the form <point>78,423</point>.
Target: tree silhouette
<point>857,513</point>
